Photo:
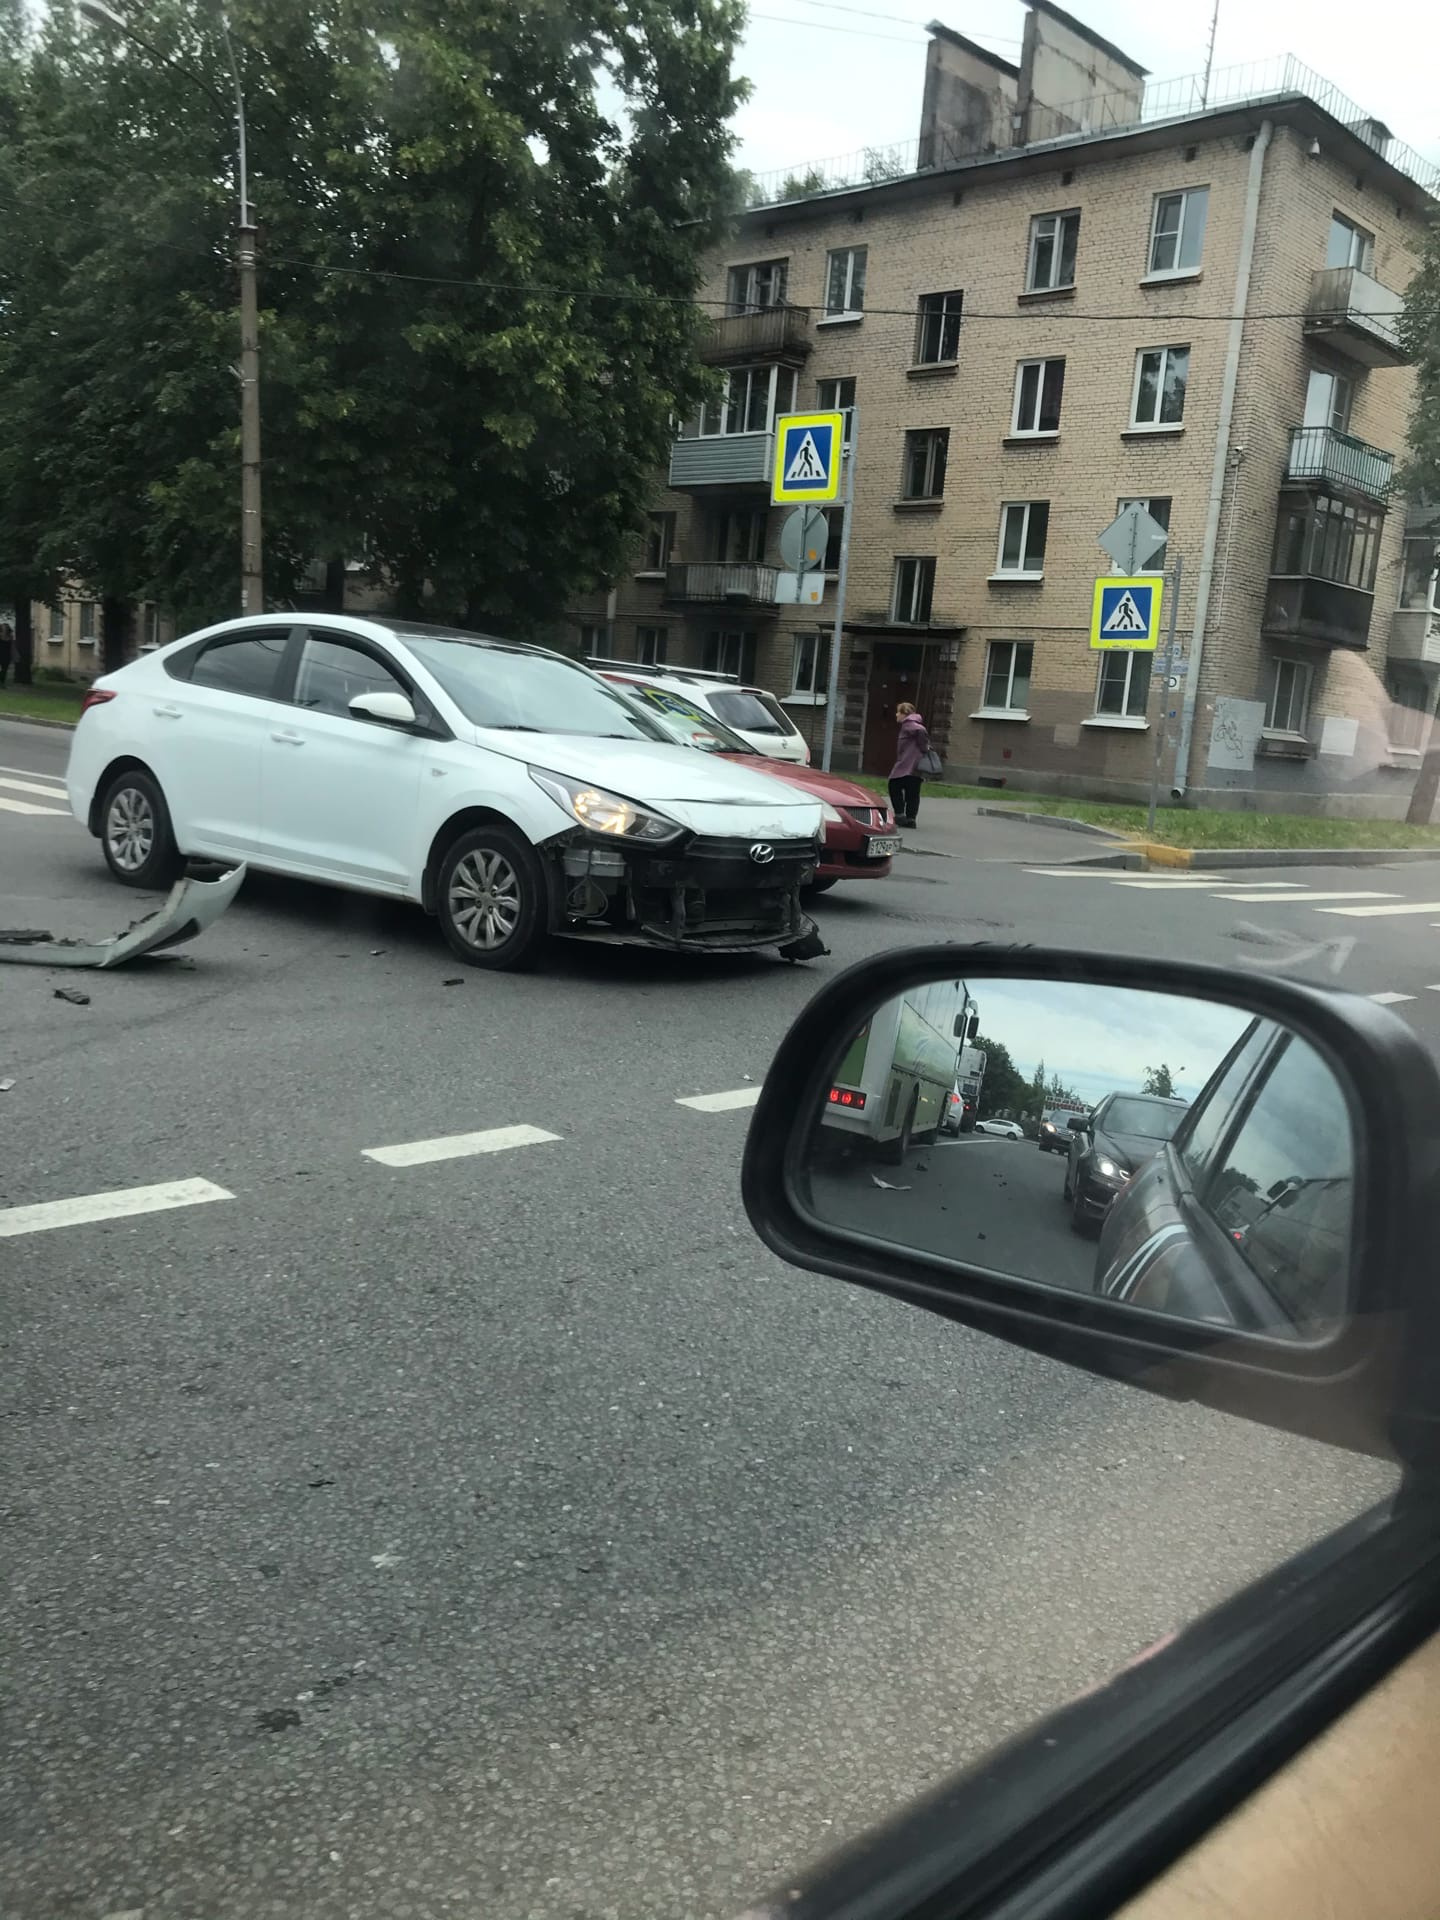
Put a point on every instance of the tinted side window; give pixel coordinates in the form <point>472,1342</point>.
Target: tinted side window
<point>332,672</point>
<point>1216,1108</point>
<point>1285,1193</point>
<point>244,663</point>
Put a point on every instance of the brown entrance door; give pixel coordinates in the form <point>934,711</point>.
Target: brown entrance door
<point>896,670</point>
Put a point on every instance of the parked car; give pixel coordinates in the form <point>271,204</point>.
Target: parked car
<point>1004,1129</point>
<point>511,792</point>
<point>860,836</point>
<point>1123,1132</point>
<point>959,1116</point>
<point>752,712</point>
<point>1056,1126</point>
<point>1245,1218</point>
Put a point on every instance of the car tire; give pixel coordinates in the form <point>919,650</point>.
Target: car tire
<point>135,832</point>
<point>1079,1220</point>
<point>490,900</point>
<point>823,886</point>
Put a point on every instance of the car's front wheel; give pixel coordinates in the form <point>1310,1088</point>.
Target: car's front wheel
<point>491,899</point>
<point>135,831</point>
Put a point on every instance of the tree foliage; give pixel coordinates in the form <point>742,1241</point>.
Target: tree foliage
<point>1161,1080</point>
<point>1420,333</point>
<point>481,227</point>
<point>1004,1090</point>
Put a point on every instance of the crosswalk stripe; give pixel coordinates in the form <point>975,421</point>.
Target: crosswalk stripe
<point>457,1146</point>
<point>50,791</point>
<point>721,1102</point>
<point>120,1204</point>
<point>1306,899</point>
<point>1389,999</point>
<point>1380,913</point>
<point>29,806</point>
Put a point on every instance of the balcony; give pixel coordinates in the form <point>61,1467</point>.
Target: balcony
<point>1415,637</point>
<point>1356,316</point>
<point>1304,607</point>
<point>722,460</point>
<point>768,333</point>
<point>1323,457</point>
<point>722,584</point>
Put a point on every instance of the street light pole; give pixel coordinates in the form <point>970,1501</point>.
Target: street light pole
<point>252,564</point>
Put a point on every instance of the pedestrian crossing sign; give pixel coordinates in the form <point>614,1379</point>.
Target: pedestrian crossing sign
<point>807,458</point>
<point>1126,613</point>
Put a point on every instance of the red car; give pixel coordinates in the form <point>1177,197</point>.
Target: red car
<point>860,835</point>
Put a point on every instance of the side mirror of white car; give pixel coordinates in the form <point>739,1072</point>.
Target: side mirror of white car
<point>393,708</point>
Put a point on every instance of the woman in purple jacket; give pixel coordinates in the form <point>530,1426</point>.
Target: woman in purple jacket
<point>910,749</point>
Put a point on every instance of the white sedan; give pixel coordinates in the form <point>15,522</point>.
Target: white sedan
<point>1005,1129</point>
<point>511,792</point>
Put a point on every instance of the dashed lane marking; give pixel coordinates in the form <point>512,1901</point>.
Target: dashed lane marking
<point>458,1146</point>
<point>721,1102</point>
<point>28,806</point>
<point>1306,899</point>
<point>1389,999</point>
<point>49,792</point>
<point>120,1204</point>
<point>1381,913</point>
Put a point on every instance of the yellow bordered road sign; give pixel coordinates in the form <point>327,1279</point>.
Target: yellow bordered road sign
<point>1125,613</point>
<point>807,458</point>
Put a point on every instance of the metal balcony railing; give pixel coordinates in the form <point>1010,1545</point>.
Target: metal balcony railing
<point>1339,460</point>
<point>1356,315</point>
<point>723,582</point>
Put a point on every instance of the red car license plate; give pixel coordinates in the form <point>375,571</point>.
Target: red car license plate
<point>880,845</point>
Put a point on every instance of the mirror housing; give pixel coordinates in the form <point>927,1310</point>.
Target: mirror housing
<point>1079,1123</point>
<point>391,709</point>
<point>1374,1387</point>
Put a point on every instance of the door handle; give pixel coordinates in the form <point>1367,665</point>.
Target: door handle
<point>287,737</point>
<point>166,713</point>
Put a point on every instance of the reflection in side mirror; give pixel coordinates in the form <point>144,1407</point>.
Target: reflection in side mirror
<point>392,708</point>
<point>1208,1167</point>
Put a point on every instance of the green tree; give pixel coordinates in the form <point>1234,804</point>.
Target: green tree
<point>1004,1088</point>
<point>1161,1080</point>
<point>1419,477</point>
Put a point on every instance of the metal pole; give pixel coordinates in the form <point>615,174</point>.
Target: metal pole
<point>252,553</point>
<point>1160,727</point>
<point>1210,56</point>
<point>832,693</point>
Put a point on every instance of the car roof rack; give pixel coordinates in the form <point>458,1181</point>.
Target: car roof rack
<point>661,671</point>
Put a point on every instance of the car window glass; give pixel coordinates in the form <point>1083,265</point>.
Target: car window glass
<point>747,711</point>
<point>516,690</point>
<point>685,721</point>
<point>1284,1194</point>
<point>1215,1110</point>
<point>244,663</point>
<point>332,672</point>
<point>1150,1119</point>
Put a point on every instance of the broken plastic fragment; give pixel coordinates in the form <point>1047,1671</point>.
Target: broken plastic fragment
<point>192,907</point>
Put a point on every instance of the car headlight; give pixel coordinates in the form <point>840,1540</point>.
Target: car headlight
<point>1108,1170</point>
<point>831,814</point>
<point>603,812</point>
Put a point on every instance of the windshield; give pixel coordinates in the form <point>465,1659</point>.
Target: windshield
<point>1061,1116</point>
<point>750,711</point>
<point>687,723</point>
<point>1147,1118</point>
<point>515,690</point>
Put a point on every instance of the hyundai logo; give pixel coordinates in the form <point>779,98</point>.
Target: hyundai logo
<point>762,853</point>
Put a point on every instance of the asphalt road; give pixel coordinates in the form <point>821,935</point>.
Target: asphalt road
<point>512,1535</point>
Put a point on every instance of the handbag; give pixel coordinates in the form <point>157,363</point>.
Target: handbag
<point>929,764</point>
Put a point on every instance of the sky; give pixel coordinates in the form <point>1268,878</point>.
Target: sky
<point>829,78</point>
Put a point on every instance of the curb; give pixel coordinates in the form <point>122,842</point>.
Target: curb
<point>1227,857</point>
<point>28,720</point>
<point>1060,820</point>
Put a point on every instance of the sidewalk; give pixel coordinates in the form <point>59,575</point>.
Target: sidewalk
<point>957,830</point>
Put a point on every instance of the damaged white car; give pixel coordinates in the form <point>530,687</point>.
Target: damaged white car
<point>511,792</point>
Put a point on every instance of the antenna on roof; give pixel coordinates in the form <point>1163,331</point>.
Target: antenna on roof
<point>1210,55</point>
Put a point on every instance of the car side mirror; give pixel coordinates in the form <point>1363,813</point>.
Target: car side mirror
<point>1154,1262</point>
<point>392,709</point>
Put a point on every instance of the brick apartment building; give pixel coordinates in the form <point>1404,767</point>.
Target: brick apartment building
<point>1071,292</point>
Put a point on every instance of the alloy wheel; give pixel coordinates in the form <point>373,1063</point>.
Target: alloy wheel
<point>130,829</point>
<point>484,899</point>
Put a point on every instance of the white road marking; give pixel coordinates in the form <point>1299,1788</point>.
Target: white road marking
<point>1389,999</point>
<point>30,773</point>
<point>1433,989</point>
<point>457,1146</point>
<point>1305,899</point>
<point>50,791</point>
<point>28,806</point>
<point>721,1102</point>
<point>119,1204</point>
<point>1380,913</point>
<point>1187,877</point>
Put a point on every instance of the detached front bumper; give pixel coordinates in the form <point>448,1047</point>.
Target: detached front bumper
<point>705,895</point>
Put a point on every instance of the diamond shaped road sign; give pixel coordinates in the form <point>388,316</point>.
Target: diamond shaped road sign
<point>1132,537</point>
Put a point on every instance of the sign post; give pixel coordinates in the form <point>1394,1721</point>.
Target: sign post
<point>1161,716</point>
<point>832,688</point>
<point>809,454</point>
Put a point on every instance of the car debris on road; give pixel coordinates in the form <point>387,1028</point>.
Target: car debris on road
<point>193,906</point>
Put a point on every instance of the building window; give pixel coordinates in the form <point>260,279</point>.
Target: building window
<point>1159,511</point>
<point>914,591</point>
<point>1161,377</point>
<point>807,669</point>
<point>1328,397</point>
<point>1413,704</point>
<point>838,396</point>
<point>1330,539</point>
<point>760,285</point>
<point>1287,705</point>
<point>1007,675</point>
<point>57,623</point>
<point>740,534</point>
<point>1054,238</point>
<point>937,331</point>
<point>595,641</point>
<point>1024,525</point>
<point>1417,575</point>
<point>749,401</point>
<point>651,645</point>
<point>1124,684</point>
<point>845,283</point>
<point>659,540</point>
<point>835,538</point>
<point>1177,231</point>
<point>730,652</point>
<point>1039,385</point>
<point>923,477</point>
<point>1349,245</point>
<point>87,623</point>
